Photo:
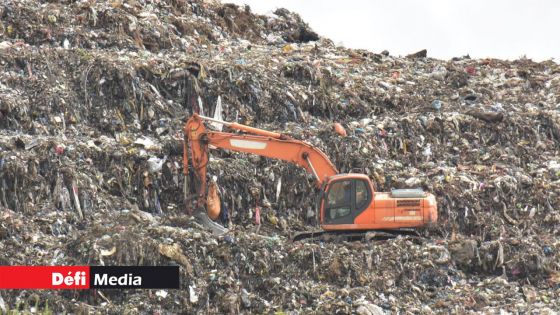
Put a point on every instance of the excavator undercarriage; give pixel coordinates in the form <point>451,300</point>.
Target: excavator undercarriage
<point>364,235</point>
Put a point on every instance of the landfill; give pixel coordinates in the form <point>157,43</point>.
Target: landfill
<point>93,97</point>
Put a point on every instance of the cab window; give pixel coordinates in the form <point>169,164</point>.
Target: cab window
<point>339,199</point>
<point>345,200</point>
<point>361,194</point>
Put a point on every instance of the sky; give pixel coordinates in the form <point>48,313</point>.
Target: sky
<point>446,28</point>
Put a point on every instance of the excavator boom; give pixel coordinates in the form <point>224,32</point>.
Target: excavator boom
<point>260,142</point>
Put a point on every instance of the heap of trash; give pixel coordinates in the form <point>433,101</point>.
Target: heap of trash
<point>93,98</point>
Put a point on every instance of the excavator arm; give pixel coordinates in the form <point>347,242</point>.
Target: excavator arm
<point>256,141</point>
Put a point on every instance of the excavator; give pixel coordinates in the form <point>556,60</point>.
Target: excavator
<point>347,204</point>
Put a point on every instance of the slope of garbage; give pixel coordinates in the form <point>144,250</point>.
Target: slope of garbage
<point>93,96</point>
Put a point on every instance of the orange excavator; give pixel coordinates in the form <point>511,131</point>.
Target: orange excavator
<point>347,203</point>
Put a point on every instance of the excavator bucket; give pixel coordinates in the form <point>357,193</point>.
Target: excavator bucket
<point>202,218</point>
<point>213,201</point>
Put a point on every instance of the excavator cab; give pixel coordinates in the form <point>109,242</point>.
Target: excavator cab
<point>349,202</point>
<point>345,199</point>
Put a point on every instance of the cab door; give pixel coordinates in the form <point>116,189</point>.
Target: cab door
<point>345,199</point>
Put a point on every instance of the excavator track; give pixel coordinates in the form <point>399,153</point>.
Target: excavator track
<point>365,235</point>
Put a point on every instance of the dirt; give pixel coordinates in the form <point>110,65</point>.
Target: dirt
<point>91,91</point>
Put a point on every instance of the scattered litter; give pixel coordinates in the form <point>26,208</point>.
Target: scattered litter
<point>93,98</point>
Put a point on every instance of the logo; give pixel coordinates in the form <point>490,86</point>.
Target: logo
<point>79,278</point>
<point>89,277</point>
<point>127,279</point>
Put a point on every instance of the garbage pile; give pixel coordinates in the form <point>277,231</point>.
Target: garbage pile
<point>93,97</point>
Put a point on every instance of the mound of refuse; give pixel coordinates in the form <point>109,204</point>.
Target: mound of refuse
<point>93,98</point>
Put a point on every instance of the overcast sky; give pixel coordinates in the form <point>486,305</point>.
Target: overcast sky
<point>446,28</point>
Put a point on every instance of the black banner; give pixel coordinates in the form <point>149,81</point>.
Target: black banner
<point>134,277</point>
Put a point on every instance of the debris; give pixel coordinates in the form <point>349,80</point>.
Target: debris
<point>436,104</point>
<point>193,297</point>
<point>218,115</point>
<point>110,252</point>
<point>175,253</point>
<point>2,305</point>
<point>76,199</point>
<point>420,54</point>
<point>548,251</point>
<point>93,98</point>
<point>258,215</point>
<point>147,143</point>
<point>161,293</point>
<point>245,298</point>
<point>339,129</point>
<point>530,294</point>
<point>31,144</point>
<point>369,309</point>
<point>5,45</point>
<point>491,117</point>
<point>155,164</point>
